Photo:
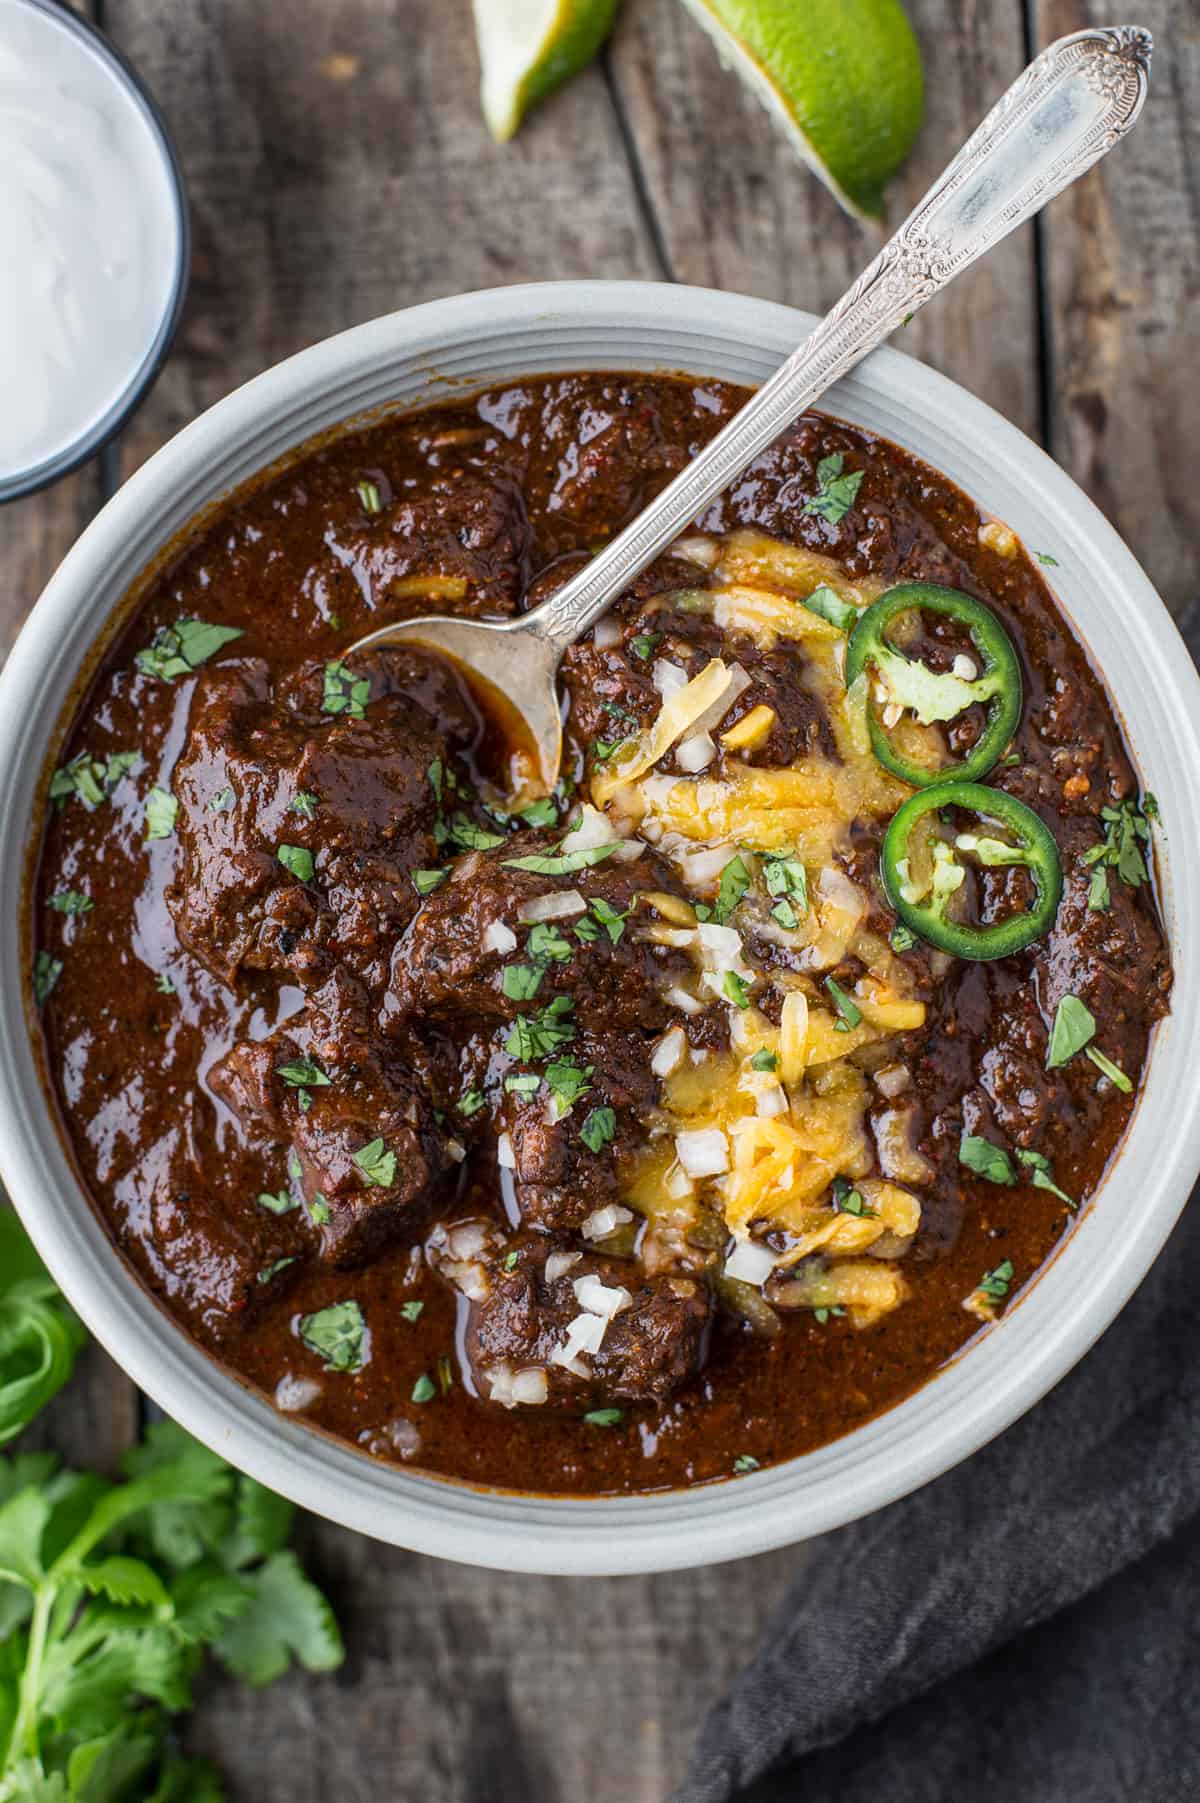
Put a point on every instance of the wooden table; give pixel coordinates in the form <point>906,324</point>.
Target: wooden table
<point>338,169</point>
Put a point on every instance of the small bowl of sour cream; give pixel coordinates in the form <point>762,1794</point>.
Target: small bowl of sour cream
<point>93,242</point>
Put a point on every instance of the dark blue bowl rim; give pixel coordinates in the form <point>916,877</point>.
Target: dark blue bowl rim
<point>63,462</point>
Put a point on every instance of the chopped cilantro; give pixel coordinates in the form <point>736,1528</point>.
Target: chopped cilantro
<point>547,945</point>
<point>745,1462</point>
<point>426,881</point>
<point>281,1203</point>
<point>986,1159</point>
<point>733,884</point>
<point>785,914</point>
<point>764,1060</point>
<point>274,1268</point>
<point>604,1417</point>
<point>343,693</point>
<point>71,901</point>
<point>644,644</point>
<point>162,809</point>
<point>178,650</point>
<point>469,1103</point>
<point>1074,1025</point>
<point>599,1129</point>
<point>511,1260</point>
<point>849,1201</point>
<point>786,876</point>
<point>223,801</point>
<point>376,1165</point>
<point>164,983</point>
<point>568,1082</point>
<point>412,1311</point>
<point>1125,829</point>
<point>1107,1068</point>
<point>46,972</point>
<point>610,918</point>
<point>368,494</point>
<point>523,1083</point>
<point>521,982</point>
<point>465,833</point>
<point>995,1284</point>
<point>540,813</point>
<point>445,1371</point>
<point>303,1073</point>
<point>1045,557</point>
<point>563,863</point>
<point>837,491</point>
<point>304,803</point>
<point>337,1334</point>
<point>824,1314</point>
<point>903,939</point>
<point>736,989</point>
<point>298,860</point>
<point>849,1011</point>
<point>830,607</point>
<point>534,1038</point>
<point>586,930</point>
<point>424,1390</point>
<point>318,1211</point>
<point>1041,1175</point>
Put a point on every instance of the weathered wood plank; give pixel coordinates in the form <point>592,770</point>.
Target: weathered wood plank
<point>474,1687</point>
<point>339,168</point>
<point>1123,286</point>
<point>736,209</point>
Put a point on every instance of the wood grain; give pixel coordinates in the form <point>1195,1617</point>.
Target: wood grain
<point>736,209</point>
<point>1122,288</point>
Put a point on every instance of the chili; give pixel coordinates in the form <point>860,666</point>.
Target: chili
<point>934,695</point>
<point>925,908</point>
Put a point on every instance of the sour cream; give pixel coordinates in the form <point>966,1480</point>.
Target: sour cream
<point>93,242</point>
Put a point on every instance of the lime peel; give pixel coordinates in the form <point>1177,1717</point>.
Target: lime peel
<point>841,77</point>
<point>527,48</point>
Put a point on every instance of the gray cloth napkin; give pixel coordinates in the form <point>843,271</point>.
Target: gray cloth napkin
<point>1028,1626</point>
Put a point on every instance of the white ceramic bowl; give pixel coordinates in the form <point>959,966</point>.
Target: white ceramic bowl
<point>474,340</point>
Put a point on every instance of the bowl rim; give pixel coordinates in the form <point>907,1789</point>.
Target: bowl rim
<point>1003,1371</point>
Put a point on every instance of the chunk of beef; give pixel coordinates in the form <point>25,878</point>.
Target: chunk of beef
<point>521,1316</point>
<point>261,770</point>
<point>467,528</point>
<point>559,1180</point>
<point>358,1206</point>
<point>451,964</point>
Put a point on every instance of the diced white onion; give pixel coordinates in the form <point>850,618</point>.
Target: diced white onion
<point>601,1298</point>
<point>584,1334</point>
<point>603,1221</point>
<point>505,1156</point>
<point>669,1052</point>
<point>531,1386</point>
<point>456,1150</point>
<point>892,715</point>
<point>723,944</point>
<point>292,1394</point>
<point>681,999</point>
<point>771,1101</point>
<point>750,1263</point>
<point>964,668</point>
<point>499,938</point>
<point>695,753</point>
<point>703,1151</point>
<point>893,1080</point>
<point>835,887</point>
<point>592,829</point>
<point>628,851</point>
<point>607,632</point>
<point>668,678</point>
<point>678,1184</point>
<point>467,1240</point>
<point>560,904</point>
<point>559,1263</point>
<point>509,1387</point>
<point>700,869</point>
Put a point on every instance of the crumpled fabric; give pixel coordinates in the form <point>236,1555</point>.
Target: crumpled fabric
<point>1027,1626</point>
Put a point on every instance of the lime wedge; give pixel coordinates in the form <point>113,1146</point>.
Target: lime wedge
<point>530,47</point>
<point>842,77</point>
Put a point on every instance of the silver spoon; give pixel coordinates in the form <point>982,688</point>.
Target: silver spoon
<point>1071,105</point>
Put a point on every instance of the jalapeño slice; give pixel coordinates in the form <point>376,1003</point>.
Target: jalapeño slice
<point>934,695</point>
<point>924,905</point>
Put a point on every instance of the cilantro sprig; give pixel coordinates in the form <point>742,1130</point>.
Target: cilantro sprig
<point>837,489</point>
<point>113,1592</point>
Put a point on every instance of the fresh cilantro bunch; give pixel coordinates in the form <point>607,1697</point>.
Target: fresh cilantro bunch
<point>111,1594</point>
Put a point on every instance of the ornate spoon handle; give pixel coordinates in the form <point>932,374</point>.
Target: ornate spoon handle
<point>1071,105</point>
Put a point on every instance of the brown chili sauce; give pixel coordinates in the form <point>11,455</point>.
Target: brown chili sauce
<point>244,989</point>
